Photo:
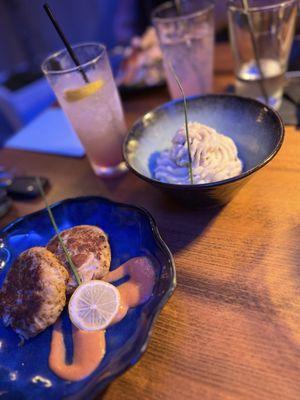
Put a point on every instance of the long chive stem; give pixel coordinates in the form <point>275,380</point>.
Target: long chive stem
<point>256,54</point>
<point>185,120</point>
<point>69,259</point>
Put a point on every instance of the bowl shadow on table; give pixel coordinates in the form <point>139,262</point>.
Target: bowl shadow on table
<point>180,226</point>
<point>185,223</point>
<point>101,395</point>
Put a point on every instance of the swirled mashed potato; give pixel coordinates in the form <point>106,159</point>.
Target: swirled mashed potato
<point>214,157</point>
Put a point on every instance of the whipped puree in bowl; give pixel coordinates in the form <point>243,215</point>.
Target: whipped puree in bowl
<point>214,157</point>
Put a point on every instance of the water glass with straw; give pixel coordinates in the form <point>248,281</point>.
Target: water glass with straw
<point>261,35</point>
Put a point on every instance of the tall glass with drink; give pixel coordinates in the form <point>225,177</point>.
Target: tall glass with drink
<point>261,40</point>
<point>186,35</point>
<point>88,95</point>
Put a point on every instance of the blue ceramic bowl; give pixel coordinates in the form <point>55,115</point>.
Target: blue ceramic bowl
<point>256,129</point>
<point>24,372</point>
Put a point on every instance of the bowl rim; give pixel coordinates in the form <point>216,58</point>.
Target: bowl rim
<point>211,184</point>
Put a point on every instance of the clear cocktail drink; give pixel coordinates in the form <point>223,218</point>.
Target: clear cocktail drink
<point>92,105</point>
<point>261,41</point>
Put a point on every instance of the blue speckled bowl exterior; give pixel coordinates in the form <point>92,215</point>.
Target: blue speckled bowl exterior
<point>24,372</point>
<point>256,129</point>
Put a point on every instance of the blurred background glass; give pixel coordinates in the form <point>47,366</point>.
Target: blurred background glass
<point>273,26</point>
<point>186,35</point>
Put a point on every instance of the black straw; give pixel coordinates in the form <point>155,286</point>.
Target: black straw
<point>65,41</point>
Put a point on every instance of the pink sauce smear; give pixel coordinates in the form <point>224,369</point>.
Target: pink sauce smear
<point>89,347</point>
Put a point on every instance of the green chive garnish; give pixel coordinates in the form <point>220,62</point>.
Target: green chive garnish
<point>186,121</point>
<point>69,259</point>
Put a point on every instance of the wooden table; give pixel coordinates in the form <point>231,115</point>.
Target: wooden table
<point>232,328</point>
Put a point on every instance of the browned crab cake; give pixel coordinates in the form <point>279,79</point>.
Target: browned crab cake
<point>89,249</point>
<point>34,292</point>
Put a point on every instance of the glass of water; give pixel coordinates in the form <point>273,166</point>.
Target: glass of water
<point>88,95</point>
<point>264,34</point>
<point>186,36</point>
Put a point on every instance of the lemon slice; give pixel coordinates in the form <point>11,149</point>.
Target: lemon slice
<point>83,91</point>
<point>94,305</point>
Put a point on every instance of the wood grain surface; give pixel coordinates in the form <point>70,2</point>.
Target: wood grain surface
<point>232,328</point>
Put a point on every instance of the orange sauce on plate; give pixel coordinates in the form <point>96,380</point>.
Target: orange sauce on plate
<point>89,347</point>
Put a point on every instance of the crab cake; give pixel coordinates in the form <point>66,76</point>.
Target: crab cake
<point>34,292</point>
<point>89,249</point>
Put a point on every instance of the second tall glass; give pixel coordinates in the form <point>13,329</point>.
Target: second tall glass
<point>186,36</point>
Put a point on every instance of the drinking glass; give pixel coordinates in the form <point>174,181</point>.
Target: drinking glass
<point>186,36</point>
<point>269,41</point>
<point>88,95</point>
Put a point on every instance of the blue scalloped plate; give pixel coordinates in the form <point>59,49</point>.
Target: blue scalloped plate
<point>24,372</point>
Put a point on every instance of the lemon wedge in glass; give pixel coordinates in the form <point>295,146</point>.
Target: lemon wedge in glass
<point>94,305</point>
<point>83,91</point>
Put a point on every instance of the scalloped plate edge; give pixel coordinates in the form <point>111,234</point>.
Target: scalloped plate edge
<point>151,321</point>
